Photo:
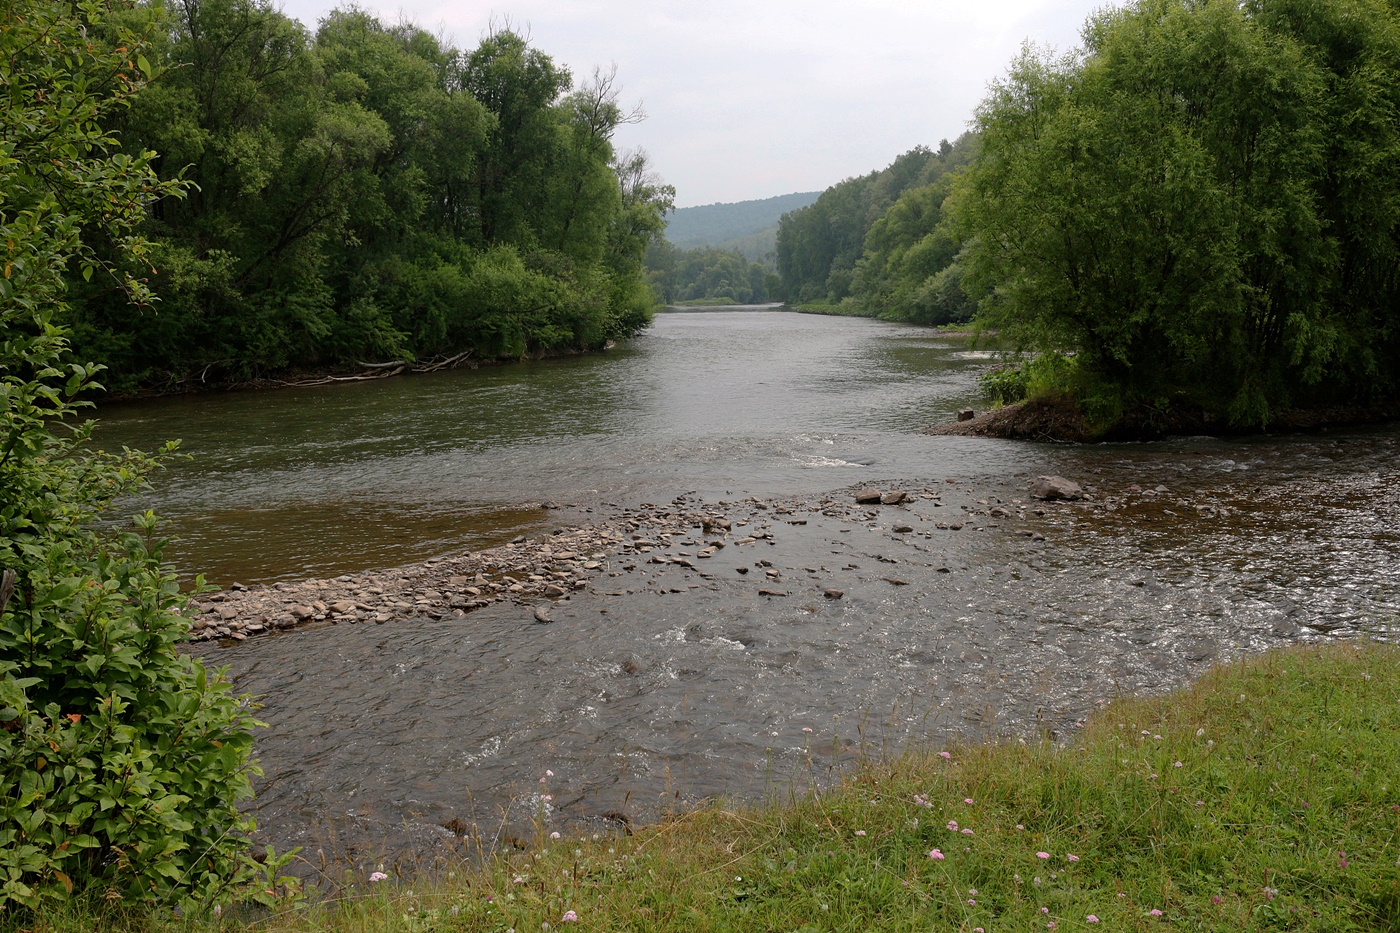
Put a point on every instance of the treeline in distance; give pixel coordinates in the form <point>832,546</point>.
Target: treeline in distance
<point>707,273</point>
<point>877,245</point>
<point>367,193</point>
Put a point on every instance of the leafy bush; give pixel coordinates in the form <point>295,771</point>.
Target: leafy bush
<point>120,759</point>
<point>1040,377</point>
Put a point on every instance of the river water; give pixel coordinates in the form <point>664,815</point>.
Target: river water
<point>674,685</point>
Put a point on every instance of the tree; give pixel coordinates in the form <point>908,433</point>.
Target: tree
<point>1165,204</point>
<point>121,759</point>
<point>820,245</point>
<point>366,194</point>
<point>520,85</point>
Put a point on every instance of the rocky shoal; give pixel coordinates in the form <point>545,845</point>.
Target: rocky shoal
<point>537,571</point>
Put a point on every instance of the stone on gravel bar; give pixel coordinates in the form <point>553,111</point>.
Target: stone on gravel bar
<point>1056,487</point>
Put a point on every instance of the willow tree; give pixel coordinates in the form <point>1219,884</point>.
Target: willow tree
<point>1157,203</point>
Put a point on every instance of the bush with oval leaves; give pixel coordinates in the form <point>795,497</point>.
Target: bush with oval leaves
<point>121,759</point>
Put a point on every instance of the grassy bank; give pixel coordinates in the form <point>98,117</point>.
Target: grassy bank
<point>1264,797</point>
<point>833,309</point>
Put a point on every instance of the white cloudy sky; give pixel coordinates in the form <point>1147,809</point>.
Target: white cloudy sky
<point>754,98</point>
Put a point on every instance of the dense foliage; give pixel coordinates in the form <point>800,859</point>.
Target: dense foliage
<point>120,758</point>
<point>1202,204</point>
<point>367,193</point>
<point>706,273</point>
<point>874,242</point>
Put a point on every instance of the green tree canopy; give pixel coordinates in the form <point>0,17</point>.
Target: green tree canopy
<point>1180,203</point>
<point>819,245</point>
<point>369,193</point>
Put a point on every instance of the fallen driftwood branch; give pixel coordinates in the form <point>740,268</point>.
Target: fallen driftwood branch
<point>389,365</point>
<point>327,380</point>
<point>433,366</point>
<point>385,370</point>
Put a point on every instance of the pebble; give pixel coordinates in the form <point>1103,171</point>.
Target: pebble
<point>551,566</point>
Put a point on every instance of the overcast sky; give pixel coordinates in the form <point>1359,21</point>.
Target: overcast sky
<point>755,98</point>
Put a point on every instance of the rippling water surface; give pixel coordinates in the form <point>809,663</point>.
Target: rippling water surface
<point>381,735</point>
<point>298,482</point>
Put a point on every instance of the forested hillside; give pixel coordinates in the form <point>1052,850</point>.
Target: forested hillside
<point>749,228</point>
<point>875,244</point>
<point>366,193</point>
<point>720,252</point>
<point>707,274</point>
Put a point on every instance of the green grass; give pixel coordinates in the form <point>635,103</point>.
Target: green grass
<point>1266,796</point>
<point>833,309</point>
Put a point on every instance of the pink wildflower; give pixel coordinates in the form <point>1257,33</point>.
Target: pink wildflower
<point>1042,855</point>
<point>944,755</point>
<point>860,832</point>
<point>952,826</point>
<point>1071,858</point>
<point>1091,919</point>
<point>967,800</point>
<point>569,917</point>
<point>936,855</point>
<point>378,876</point>
<point>1154,912</point>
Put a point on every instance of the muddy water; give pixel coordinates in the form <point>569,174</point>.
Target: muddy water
<point>988,614</point>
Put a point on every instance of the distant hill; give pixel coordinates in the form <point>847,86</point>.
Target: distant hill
<point>750,227</point>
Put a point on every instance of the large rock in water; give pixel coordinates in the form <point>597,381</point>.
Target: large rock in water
<point>1056,487</point>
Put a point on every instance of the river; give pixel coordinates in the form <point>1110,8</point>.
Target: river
<point>664,685</point>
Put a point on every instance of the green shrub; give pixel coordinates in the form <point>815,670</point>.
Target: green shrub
<point>121,760</point>
<point>1043,376</point>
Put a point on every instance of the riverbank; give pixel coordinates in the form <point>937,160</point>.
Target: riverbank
<point>1060,420</point>
<point>1260,797</point>
<point>359,372</point>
